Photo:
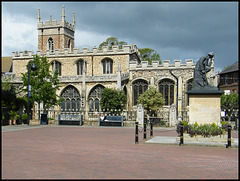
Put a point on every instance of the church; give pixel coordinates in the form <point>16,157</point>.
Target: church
<point>83,74</point>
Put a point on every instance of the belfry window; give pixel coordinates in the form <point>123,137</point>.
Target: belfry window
<point>107,64</point>
<point>69,44</point>
<point>50,45</point>
<point>139,87</point>
<point>71,101</point>
<point>94,99</point>
<point>166,88</point>
<point>56,66</point>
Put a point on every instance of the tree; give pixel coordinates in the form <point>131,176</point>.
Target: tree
<point>148,54</point>
<point>112,100</point>
<point>229,101</point>
<point>151,100</point>
<point>11,103</point>
<point>43,84</point>
<point>112,41</point>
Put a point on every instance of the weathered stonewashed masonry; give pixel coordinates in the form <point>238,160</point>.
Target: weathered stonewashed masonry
<point>85,73</point>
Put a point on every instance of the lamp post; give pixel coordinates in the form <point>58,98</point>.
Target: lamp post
<point>32,67</point>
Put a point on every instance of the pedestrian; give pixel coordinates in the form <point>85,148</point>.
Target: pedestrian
<point>102,117</point>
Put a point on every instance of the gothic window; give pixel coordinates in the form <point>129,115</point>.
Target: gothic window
<point>80,64</point>
<point>107,64</point>
<point>139,87</point>
<point>94,99</point>
<point>166,88</point>
<point>50,45</point>
<point>189,87</point>
<point>71,101</point>
<point>56,66</point>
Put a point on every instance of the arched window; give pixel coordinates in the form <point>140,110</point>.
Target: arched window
<point>71,98</point>
<point>56,66</point>
<point>139,87</point>
<point>166,88</point>
<point>50,45</point>
<point>189,87</point>
<point>107,64</point>
<point>80,64</point>
<point>94,98</point>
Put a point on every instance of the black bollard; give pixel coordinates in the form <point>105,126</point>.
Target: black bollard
<point>151,131</point>
<point>229,136</point>
<point>145,131</point>
<point>181,134</point>
<point>136,133</point>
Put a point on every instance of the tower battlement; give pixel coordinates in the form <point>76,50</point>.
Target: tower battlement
<point>54,24</point>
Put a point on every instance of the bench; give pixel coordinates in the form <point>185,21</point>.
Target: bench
<point>112,121</point>
<point>66,119</point>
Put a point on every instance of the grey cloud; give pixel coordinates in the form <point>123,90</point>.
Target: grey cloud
<point>172,28</point>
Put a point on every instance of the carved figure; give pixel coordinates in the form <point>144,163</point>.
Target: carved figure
<point>202,67</point>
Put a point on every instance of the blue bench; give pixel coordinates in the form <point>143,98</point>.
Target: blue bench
<point>66,119</point>
<point>112,121</point>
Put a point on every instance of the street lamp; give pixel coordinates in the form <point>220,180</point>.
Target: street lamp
<point>32,67</point>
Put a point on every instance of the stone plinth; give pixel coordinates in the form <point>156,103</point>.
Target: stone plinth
<point>204,105</point>
<point>199,138</point>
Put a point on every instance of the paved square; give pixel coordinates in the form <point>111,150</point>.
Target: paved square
<point>72,152</point>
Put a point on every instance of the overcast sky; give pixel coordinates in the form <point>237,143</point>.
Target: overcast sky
<point>176,30</point>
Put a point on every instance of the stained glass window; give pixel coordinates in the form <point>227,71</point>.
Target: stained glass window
<point>71,98</point>
<point>94,98</point>
<point>166,88</point>
<point>139,87</point>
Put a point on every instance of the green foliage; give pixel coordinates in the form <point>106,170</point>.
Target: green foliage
<point>10,101</point>
<point>151,100</point>
<point>184,123</point>
<point>112,41</point>
<point>148,54</point>
<point>43,83</point>
<point>24,117</point>
<point>205,130</point>
<point>229,101</point>
<point>112,100</point>
<point>223,123</point>
<point>13,115</point>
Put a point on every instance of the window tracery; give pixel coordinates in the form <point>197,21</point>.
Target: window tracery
<point>139,87</point>
<point>71,101</point>
<point>166,88</point>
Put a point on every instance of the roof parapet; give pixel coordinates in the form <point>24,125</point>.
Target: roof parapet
<point>127,49</point>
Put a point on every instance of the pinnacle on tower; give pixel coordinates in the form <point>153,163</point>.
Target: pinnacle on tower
<point>63,13</point>
<point>73,18</point>
<point>50,18</point>
<point>38,17</point>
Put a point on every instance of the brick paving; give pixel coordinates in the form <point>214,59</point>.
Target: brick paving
<point>72,152</point>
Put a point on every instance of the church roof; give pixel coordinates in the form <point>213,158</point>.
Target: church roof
<point>232,68</point>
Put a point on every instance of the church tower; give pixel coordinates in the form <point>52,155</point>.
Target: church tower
<point>55,36</point>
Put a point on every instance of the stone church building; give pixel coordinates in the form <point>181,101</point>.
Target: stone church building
<point>85,73</point>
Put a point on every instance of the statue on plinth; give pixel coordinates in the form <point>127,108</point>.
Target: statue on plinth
<point>200,82</point>
<point>202,67</point>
